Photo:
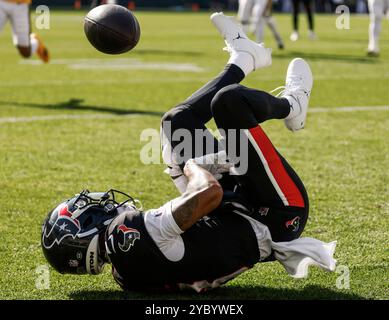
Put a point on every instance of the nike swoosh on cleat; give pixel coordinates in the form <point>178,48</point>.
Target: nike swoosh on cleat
<point>239,37</point>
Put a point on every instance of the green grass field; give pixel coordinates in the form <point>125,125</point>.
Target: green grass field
<point>53,144</point>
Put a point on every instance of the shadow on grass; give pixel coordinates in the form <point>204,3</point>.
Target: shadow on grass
<point>224,293</point>
<point>76,104</point>
<point>325,57</point>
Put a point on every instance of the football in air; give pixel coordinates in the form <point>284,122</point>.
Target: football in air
<point>112,29</point>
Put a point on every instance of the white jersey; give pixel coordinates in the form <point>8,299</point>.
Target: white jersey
<point>19,17</point>
<point>165,232</point>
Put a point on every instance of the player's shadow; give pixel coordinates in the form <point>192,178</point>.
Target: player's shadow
<point>324,56</point>
<point>224,293</point>
<point>76,105</point>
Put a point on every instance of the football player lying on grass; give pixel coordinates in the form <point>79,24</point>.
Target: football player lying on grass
<point>216,229</point>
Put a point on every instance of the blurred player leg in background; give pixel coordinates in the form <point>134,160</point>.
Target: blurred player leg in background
<point>296,10</point>
<point>18,13</point>
<point>244,13</point>
<point>257,19</point>
<point>377,9</point>
<point>257,13</point>
<point>271,23</point>
<point>308,4</point>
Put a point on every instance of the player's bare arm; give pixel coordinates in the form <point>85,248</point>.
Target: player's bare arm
<point>203,195</point>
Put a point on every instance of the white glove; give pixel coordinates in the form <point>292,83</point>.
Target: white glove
<point>215,163</point>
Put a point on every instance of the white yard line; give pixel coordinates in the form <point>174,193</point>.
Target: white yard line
<point>119,64</point>
<point>110,116</point>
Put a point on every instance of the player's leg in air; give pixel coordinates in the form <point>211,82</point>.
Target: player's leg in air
<point>27,43</point>
<point>195,112</point>
<point>377,9</point>
<point>269,183</point>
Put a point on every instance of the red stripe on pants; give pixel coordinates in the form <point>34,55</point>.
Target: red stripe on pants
<point>281,176</point>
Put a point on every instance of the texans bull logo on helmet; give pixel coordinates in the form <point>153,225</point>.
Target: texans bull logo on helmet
<point>130,235</point>
<point>64,226</point>
<point>293,224</point>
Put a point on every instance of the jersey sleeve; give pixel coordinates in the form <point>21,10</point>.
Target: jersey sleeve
<point>165,232</point>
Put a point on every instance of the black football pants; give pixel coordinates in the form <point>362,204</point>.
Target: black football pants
<point>269,183</point>
<point>296,11</point>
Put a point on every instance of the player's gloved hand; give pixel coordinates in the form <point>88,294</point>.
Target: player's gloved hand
<point>215,163</point>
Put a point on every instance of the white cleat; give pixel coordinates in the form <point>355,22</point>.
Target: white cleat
<point>297,91</point>
<point>294,36</point>
<point>237,41</point>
